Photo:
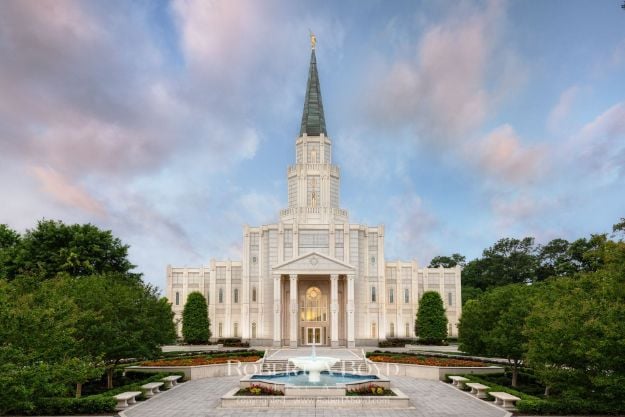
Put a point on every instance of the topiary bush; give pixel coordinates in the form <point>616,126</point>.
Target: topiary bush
<point>431,323</point>
<point>195,322</point>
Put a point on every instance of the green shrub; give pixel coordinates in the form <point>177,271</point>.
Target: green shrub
<point>72,406</point>
<point>397,342</point>
<point>232,342</point>
<point>195,322</point>
<point>431,323</point>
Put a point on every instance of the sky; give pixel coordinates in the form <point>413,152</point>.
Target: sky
<point>172,124</point>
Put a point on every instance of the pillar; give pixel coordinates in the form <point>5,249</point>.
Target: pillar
<point>277,303</point>
<point>351,341</point>
<point>293,322</point>
<point>334,310</point>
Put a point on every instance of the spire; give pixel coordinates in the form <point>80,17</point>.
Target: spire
<point>313,120</point>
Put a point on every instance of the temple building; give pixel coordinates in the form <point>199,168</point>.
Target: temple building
<point>314,277</point>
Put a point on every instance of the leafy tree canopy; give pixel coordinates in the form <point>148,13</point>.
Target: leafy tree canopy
<point>448,261</point>
<point>54,247</point>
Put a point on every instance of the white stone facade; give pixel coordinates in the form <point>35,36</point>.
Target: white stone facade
<point>314,276</point>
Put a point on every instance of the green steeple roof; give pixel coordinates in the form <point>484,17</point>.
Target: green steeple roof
<point>313,120</point>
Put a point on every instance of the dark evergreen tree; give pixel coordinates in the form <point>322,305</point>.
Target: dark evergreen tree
<point>431,323</point>
<point>195,322</point>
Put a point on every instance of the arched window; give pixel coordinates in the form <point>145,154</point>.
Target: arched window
<point>253,330</point>
<point>374,331</point>
<point>177,298</point>
<point>391,295</point>
<point>406,295</point>
<point>236,295</point>
<point>407,329</point>
<point>221,329</point>
<point>235,331</point>
<point>254,294</point>
<point>391,332</point>
<point>373,295</point>
<point>221,295</point>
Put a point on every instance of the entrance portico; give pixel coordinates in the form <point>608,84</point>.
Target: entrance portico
<point>313,302</point>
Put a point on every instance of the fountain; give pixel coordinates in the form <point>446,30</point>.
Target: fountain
<point>314,364</point>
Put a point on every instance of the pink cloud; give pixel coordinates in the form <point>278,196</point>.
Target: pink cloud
<point>502,155</point>
<point>62,190</point>
<point>458,74</point>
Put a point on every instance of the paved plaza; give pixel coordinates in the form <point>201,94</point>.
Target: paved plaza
<point>200,398</point>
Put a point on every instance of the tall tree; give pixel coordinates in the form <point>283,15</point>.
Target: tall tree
<point>9,241</point>
<point>431,322</point>
<point>120,319</point>
<point>493,324</point>
<point>576,331</point>
<point>448,261</point>
<point>195,322</point>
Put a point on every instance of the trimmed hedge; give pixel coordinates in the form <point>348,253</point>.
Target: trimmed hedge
<point>232,342</point>
<point>568,407</point>
<point>93,404</point>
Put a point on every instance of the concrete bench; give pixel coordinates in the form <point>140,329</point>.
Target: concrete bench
<point>125,398</point>
<point>478,389</point>
<point>171,380</point>
<point>151,389</point>
<point>458,381</point>
<point>504,399</point>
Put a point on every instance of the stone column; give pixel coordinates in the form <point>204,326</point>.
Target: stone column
<point>351,341</point>
<point>334,310</point>
<point>294,310</point>
<point>277,303</point>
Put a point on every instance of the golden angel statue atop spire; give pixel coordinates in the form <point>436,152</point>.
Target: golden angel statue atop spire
<point>313,40</point>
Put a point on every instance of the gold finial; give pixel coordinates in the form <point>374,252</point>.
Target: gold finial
<point>313,40</point>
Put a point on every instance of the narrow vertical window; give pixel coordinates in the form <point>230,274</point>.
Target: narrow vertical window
<point>236,330</point>
<point>254,330</point>
<point>254,294</point>
<point>236,295</point>
<point>374,331</point>
<point>391,295</point>
<point>221,330</point>
<point>221,295</point>
<point>177,298</point>
<point>449,299</point>
<point>392,330</point>
<point>373,295</point>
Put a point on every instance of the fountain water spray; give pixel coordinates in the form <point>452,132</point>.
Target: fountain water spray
<point>313,364</point>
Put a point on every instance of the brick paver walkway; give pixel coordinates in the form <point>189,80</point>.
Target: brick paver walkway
<point>200,398</point>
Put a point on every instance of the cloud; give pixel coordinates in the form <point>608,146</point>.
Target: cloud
<point>410,232</point>
<point>455,75</point>
<point>561,110</point>
<point>62,190</point>
<point>600,145</point>
<point>502,155</point>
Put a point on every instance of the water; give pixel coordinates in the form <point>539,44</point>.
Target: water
<point>300,379</point>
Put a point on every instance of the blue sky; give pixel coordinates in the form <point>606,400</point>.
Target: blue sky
<point>172,123</point>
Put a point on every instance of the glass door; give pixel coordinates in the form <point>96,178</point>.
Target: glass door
<point>313,335</point>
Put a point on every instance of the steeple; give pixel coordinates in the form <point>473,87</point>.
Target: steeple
<point>313,120</point>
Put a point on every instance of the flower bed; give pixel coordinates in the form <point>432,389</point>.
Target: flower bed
<point>423,360</point>
<point>256,390</point>
<point>202,360</point>
<point>371,391</point>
